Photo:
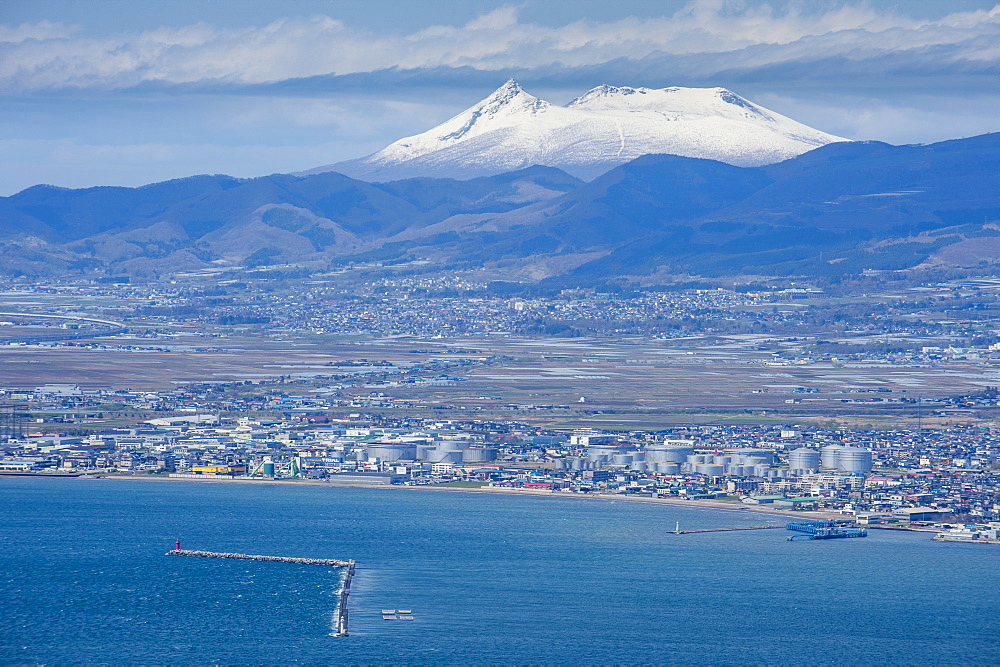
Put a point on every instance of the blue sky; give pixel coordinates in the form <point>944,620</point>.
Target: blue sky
<point>99,92</point>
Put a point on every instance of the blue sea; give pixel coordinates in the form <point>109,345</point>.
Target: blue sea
<point>491,579</point>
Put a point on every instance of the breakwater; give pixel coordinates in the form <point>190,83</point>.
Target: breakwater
<point>345,591</point>
<point>722,530</point>
<point>330,562</point>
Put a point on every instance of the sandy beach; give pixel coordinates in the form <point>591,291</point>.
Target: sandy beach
<point>705,504</point>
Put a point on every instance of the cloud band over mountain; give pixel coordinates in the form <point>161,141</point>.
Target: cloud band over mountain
<point>704,39</point>
<point>131,93</point>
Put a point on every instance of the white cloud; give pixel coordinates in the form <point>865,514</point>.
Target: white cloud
<point>900,120</point>
<point>53,56</point>
<point>41,30</point>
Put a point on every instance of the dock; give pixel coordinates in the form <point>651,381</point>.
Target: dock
<point>825,530</point>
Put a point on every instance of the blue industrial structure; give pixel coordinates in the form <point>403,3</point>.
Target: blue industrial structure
<point>824,530</point>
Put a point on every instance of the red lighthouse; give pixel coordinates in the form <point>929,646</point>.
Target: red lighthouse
<point>177,547</point>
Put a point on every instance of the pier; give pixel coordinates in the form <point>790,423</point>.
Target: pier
<point>345,589</point>
<point>678,531</point>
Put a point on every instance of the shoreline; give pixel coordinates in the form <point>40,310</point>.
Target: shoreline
<point>704,504</point>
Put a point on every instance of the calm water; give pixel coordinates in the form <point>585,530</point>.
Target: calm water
<point>491,579</point>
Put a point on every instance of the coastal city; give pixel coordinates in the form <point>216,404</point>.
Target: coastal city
<point>945,479</point>
<point>490,332</point>
<point>884,414</point>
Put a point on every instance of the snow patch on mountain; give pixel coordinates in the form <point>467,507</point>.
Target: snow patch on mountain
<point>605,127</point>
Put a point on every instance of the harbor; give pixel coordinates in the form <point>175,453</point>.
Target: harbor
<point>248,612</point>
<point>813,530</point>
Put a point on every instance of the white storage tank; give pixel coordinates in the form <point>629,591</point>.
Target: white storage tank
<point>621,459</point>
<point>447,456</point>
<point>804,458</point>
<point>709,469</point>
<point>854,459</point>
<point>757,461</point>
<point>758,455</point>
<point>678,453</point>
<point>479,454</point>
<point>602,453</point>
<point>390,452</point>
<point>675,453</point>
<point>654,453</point>
<point>828,456</point>
<point>450,445</point>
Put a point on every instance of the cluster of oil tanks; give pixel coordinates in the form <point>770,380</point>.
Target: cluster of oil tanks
<point>846,459</point>
<point>668,458</point>
<point>672,458</point>
<point>834,458</point>
<point>445,451</point>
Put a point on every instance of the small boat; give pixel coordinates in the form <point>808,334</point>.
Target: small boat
<point>406,618</point>
<point>405,611</point>
<point>388,611</point>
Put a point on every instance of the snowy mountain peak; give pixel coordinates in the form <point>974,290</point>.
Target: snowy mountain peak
<point>674,102</point>
<point>605,92</point>
<point>509,97</point>
<point>606,126</point>
<point>508,90</point>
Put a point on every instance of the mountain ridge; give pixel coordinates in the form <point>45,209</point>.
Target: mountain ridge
<point>605,127</point>
<point>837,210</point>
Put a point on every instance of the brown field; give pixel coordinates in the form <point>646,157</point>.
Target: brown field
<point>625,383</point>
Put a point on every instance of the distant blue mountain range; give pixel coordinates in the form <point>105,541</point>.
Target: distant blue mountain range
<point>839,209</point>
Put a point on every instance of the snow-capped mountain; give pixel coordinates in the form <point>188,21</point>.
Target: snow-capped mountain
<point>606,127</point>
